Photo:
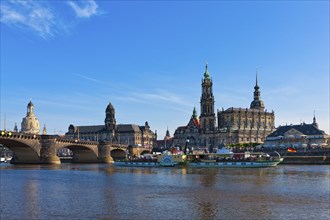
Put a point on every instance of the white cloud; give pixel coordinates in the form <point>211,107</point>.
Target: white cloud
<point>30,15</point>
<point>161,96</point>
<point>84,9</point>
<point>88,78</point>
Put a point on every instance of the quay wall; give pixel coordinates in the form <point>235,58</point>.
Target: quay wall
<point>317,160</point>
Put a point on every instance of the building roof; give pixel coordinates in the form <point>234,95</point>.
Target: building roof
<point>232,109</point>
<point>90,128</point>
<point>122,128</point>
<point>306,129</point>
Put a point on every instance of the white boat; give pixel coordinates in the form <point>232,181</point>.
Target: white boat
<point>234,160</point>
<point>223,158</point>
<point>5,159</point>
<point>163,160</point>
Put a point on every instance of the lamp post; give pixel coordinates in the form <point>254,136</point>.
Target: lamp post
<point>185,148</point>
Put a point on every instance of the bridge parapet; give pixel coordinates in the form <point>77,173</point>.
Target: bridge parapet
<point>19,135</point>
<point>34,148</point>
<point>76,141</point>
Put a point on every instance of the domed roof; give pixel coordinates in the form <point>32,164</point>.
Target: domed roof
<point>257,104</point>
<point>30,104</point>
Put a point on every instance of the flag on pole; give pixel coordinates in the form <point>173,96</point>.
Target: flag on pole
<point>291,150</point>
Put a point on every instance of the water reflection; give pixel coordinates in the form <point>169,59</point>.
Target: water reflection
<point>31,194</point>
<point>101,191</point>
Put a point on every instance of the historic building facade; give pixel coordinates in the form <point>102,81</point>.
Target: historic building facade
<point>30,123</point>
<point>128,134</point>
<point>235,125</point>
<point>298,136</point>
<point>166,142</point>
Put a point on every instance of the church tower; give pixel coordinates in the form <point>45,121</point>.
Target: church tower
<point>207,117</point>
<point>257,103</point>
<point>110,121</point>
<point>30,124</point>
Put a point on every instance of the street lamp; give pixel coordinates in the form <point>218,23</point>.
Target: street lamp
<point>185,148</point>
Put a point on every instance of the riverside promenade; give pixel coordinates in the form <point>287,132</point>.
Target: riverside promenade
<point>302,156</point>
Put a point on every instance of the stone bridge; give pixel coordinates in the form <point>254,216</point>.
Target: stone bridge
<point>42,149</point>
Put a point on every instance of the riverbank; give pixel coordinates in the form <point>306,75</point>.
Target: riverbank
<point>316,160</point>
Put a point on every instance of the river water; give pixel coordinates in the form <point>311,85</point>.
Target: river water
<point>102,191</point>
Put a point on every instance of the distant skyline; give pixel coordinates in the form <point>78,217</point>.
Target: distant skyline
<point>72,58</point>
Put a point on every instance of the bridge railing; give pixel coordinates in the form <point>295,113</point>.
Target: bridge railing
<point>18,135</point>
<point>59,139</point>
<point>75,141</point>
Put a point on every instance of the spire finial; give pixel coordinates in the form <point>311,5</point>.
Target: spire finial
<point>257,76</point>
<point>195,112</point>
<point>206,74</point>
<point>314,121</point>
<point>256,87</point>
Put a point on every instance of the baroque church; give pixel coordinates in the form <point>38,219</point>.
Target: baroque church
<point>127,134</point>
<point>30,123</point>
<point>230,126</point>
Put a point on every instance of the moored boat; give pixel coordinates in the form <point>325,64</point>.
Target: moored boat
<point>234,160</point>
<point>162,160</point>
<point>224,158</point>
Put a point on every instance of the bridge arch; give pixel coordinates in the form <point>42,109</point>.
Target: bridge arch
<point>118,154</point>
<point>145,152</point>
<point>24,150</point>
<point>81,153</point>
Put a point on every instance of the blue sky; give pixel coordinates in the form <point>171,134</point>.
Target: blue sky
<point>148,58</point>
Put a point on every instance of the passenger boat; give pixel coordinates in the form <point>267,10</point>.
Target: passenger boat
<point>233,160</point>
<point>162,160</point>
<point>224,158</point>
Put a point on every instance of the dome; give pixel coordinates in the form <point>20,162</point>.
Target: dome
<point>30,125</point>
<point>257,104</point>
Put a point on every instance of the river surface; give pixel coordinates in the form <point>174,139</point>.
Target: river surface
<point>102,191</point>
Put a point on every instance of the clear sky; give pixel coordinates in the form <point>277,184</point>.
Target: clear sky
<point>148,58</point>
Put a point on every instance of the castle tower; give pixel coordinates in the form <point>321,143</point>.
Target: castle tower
<point>30,123</point>
<point>110,121</point>
<point>207,117</point>
<point>257,103</point>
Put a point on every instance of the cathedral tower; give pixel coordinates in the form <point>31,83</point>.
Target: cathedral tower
<point>207,117</point>
<point>257,103</point>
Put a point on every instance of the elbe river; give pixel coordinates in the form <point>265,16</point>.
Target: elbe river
<point>102,191</point>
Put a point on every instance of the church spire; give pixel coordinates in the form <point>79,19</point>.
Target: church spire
<point>194,113</point>
<point>256,86</point>
<point>44,130</point>
<point>15,128</point>
<point>257,103</point>
<point>206,74</point>
<point>314,120</point>
<point>167,133</point>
